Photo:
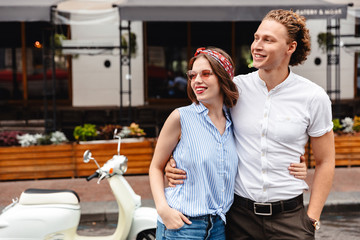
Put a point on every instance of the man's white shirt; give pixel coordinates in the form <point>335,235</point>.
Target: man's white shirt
<point>271,129</point>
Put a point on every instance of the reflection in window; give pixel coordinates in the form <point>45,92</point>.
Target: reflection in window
<point>244,36</point>
<point>11,60</point>
<point>171,44</point>
<point>167,60</point>
<point>10,78</point>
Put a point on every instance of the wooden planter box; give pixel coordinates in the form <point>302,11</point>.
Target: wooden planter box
<point>61,161</point>
<point>139,156</point>
<point>347,151</point>
<point>35,162</point>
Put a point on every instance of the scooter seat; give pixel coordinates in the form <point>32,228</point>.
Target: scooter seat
<point>33,196</point>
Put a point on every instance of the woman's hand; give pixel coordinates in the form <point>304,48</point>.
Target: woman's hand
<point>173,219</point>
<point>299,170</point>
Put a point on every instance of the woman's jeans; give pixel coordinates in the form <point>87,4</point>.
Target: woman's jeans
<point>203,227</point>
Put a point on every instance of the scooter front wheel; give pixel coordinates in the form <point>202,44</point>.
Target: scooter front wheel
<point>147,235</point>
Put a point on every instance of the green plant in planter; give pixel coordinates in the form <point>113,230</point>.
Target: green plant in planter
<point>43,140</point>
<point>324,39</point>
<point>337,125</point>
<point>85,133</point>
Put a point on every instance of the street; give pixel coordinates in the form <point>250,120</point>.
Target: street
<point>339,226</point>
<point>334,226</point>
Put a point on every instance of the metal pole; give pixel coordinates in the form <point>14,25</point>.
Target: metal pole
<point>328,51</point>
<point>53,67</point>
<point>337,66</point>
<point>120,66</point>
<point>43,52</point>
<point>129,70</point>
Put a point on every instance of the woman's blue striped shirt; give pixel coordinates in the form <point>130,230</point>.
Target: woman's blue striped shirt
<point>210,161</point>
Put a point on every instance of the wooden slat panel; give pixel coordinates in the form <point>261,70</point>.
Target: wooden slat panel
<point>347,151</point>
<point>139,156</point>
<point>36,175</point>
<point>45,162</point>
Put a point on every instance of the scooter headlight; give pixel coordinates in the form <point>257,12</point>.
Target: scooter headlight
<point>119,164</point>
<point>123,167</point>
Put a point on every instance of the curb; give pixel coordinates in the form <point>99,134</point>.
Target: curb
<point>108,211</point>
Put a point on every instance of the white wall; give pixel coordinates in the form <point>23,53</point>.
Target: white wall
<point>96,85</point>
<point>317,73</point>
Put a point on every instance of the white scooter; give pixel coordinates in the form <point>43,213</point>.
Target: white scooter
<point>55,214</point>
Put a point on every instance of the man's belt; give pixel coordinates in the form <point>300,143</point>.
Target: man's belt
<point>270,208</point>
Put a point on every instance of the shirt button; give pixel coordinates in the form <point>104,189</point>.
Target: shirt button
<point>265,115</point>
<point>263,171</point>
<point>262,154</point>
<point>264,189</point>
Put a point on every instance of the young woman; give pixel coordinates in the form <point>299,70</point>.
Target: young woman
<point>200,137</point>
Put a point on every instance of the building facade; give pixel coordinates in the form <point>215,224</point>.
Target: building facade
<point>87,81</point>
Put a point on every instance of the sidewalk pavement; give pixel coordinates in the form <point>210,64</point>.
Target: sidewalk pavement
<point>98,203</point>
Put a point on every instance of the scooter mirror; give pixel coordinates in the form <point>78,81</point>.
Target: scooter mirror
<point>87,156</point>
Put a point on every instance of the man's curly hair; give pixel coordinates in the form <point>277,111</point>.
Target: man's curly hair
<point>297,31</point>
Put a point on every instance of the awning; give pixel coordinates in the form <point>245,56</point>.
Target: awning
<point>224,10</point>
<point>26,10</point>
<point>181,10</point>
<point>86,12</point>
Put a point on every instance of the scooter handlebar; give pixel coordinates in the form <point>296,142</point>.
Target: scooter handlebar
<point>94,175</point>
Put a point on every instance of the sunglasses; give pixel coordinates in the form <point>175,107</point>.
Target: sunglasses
<point>204,74</point>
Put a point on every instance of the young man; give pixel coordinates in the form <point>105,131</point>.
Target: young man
<point>276,113</point>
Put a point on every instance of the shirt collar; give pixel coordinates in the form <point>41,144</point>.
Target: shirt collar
<point>200,108</point>
<point>289,78</point>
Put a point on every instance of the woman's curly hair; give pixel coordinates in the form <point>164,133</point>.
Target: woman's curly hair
<point>297,31</point>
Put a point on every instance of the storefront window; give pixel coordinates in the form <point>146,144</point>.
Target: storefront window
<point>216,34</point>
<point>10,79</point>
<point>13,56</point>
<point>244,36</point>
<point>166,59</point>
<point>170,45</point>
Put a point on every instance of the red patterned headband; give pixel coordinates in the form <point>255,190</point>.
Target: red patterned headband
<point>224,62</point>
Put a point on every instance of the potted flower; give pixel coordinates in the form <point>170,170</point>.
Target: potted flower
<point>9,138</point>
<point>106,132</point>
<point>325,41</point>
<point>125,44</point>
<point>132,131</point>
